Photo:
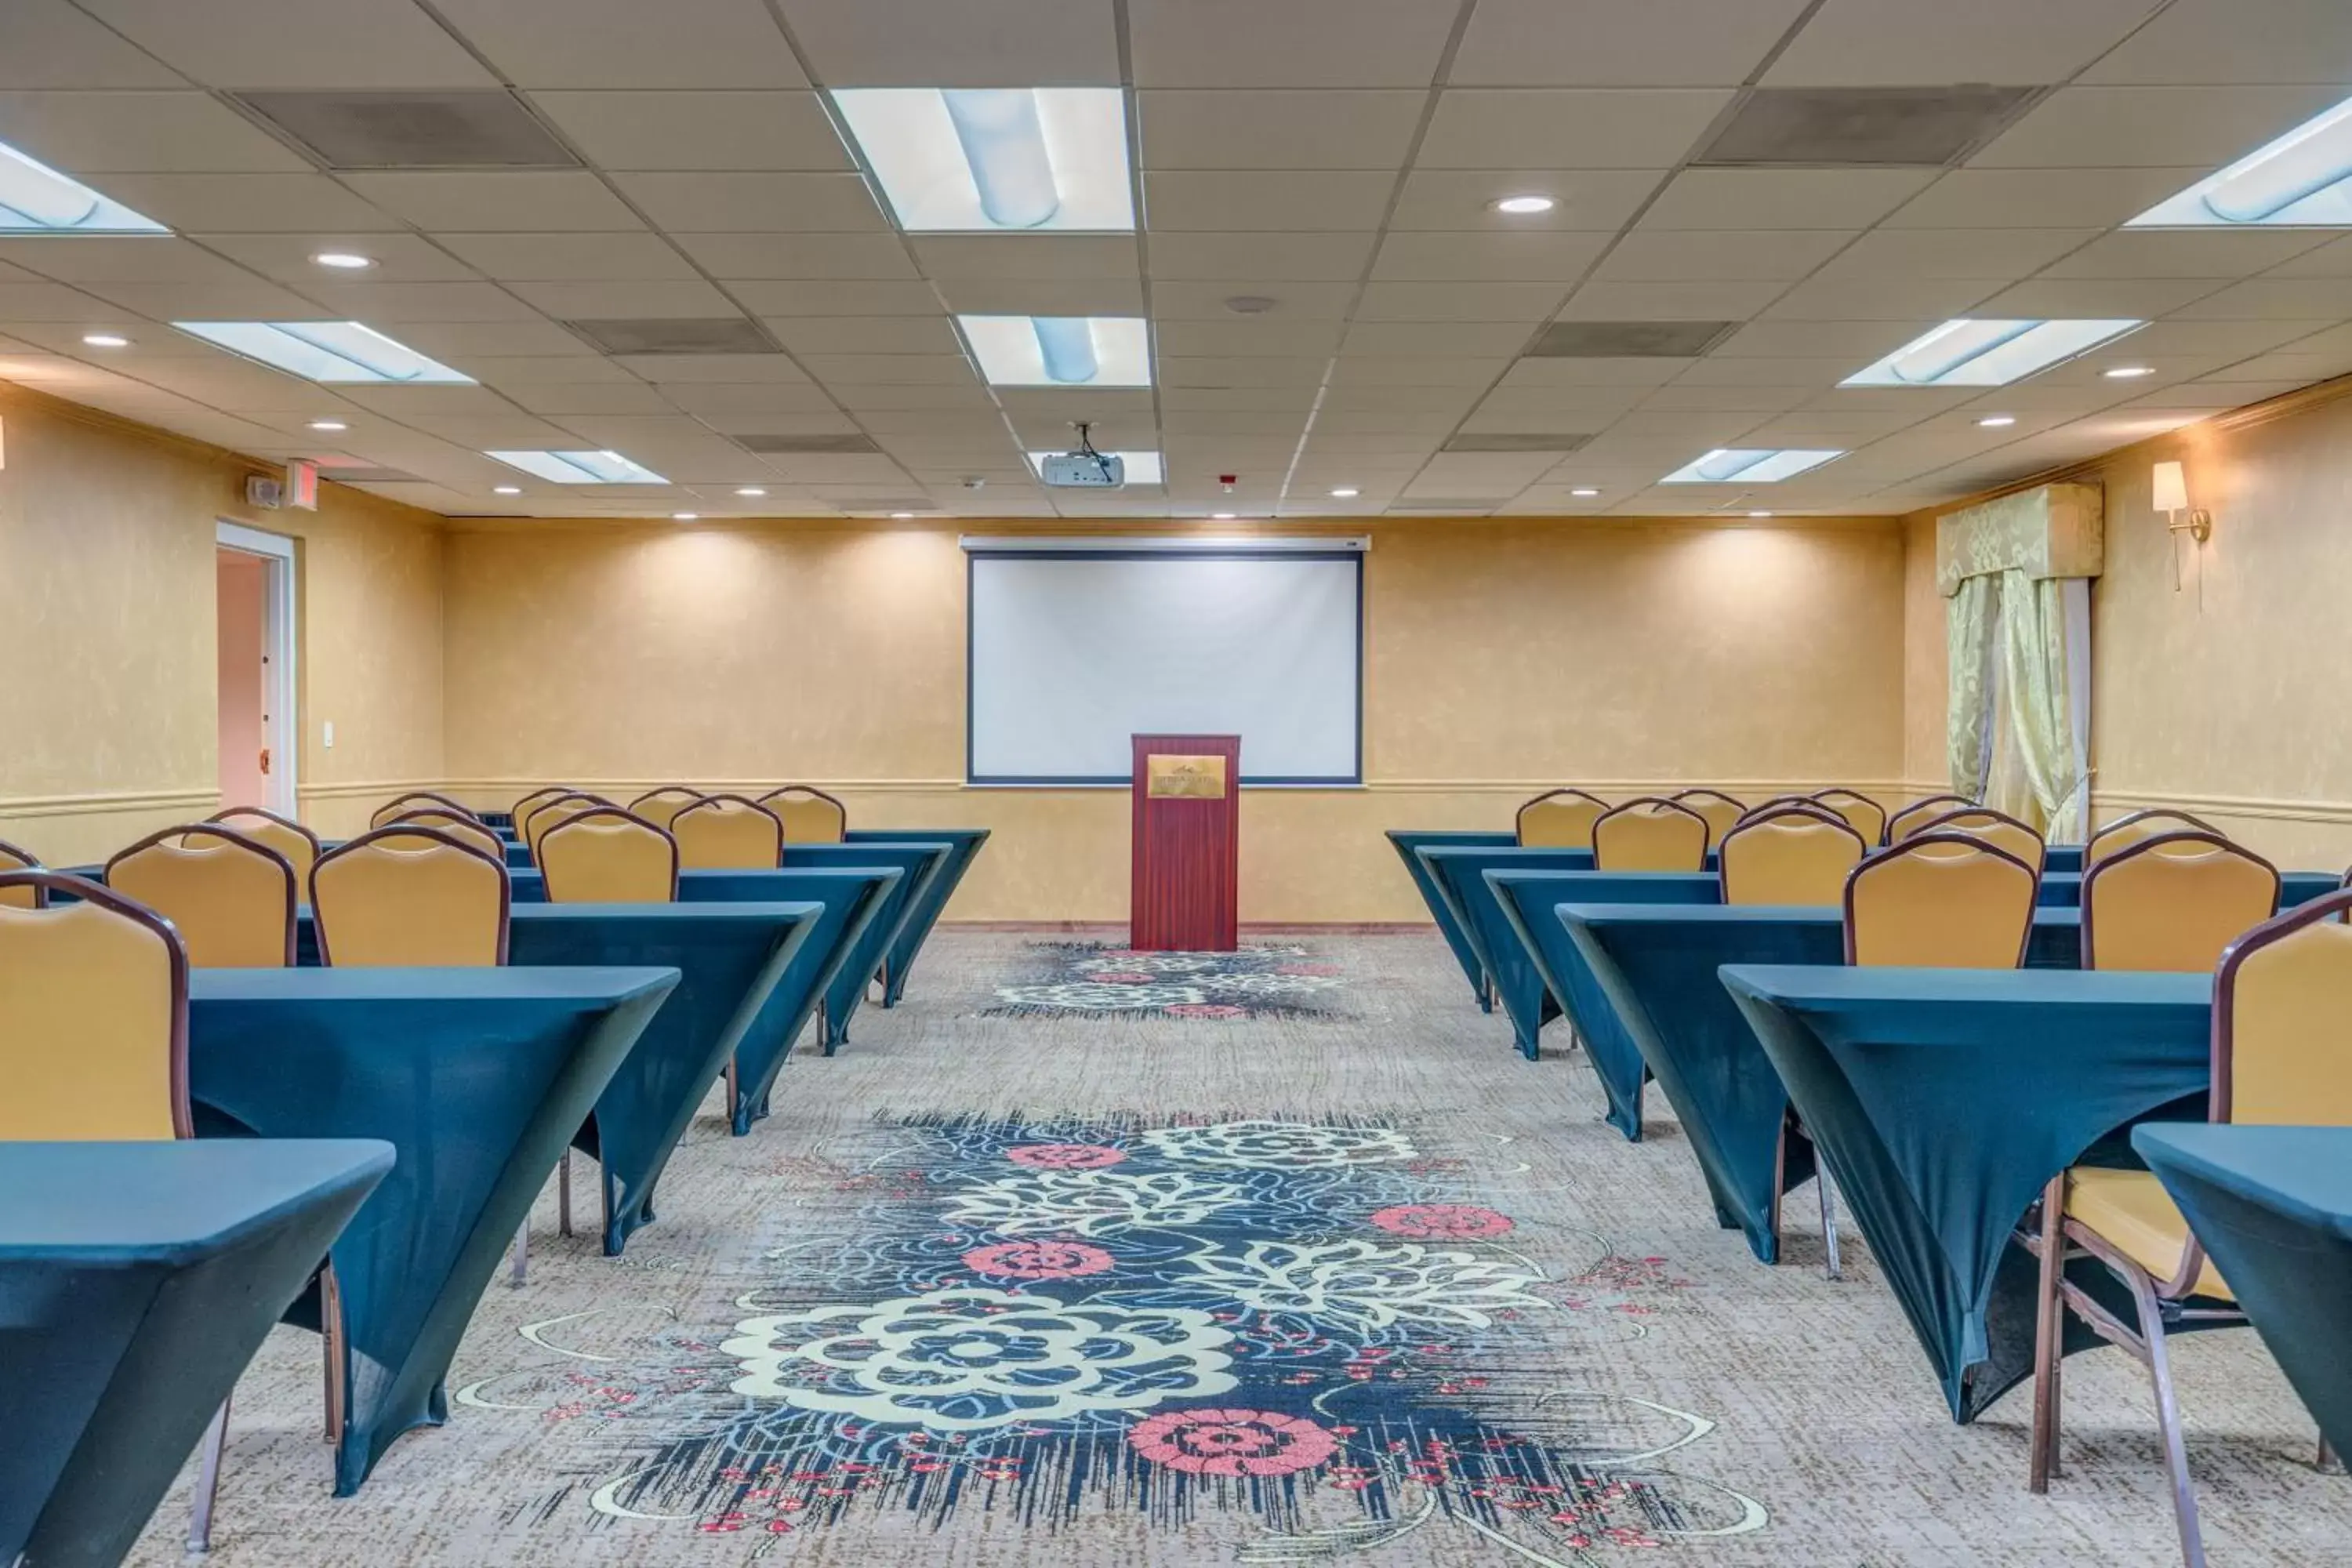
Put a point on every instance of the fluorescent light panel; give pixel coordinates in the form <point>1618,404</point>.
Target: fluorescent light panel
<point>1747,466</point>
<point>580,468</point>
<point>1142,467</point>
<point>1061,351</point>
<point>996,159</point>
<point>327,352</point>
<point>1970,351</point>
<point>2303,180</point>
<point>37,199</point>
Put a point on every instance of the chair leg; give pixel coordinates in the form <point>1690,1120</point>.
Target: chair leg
<point>1828,1189</point>
<point>727,1076</point>
<point>330,1322</point>
<point>2049,1332</point>
<point>2168,1420</point>
<point>207,1492</point>
<point>520,1274</point>
<point>563,1194</point>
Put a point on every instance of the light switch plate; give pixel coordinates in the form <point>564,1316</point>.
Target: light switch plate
<point>328,740</point>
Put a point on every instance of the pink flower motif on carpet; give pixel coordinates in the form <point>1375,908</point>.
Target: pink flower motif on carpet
<point>1064,1156</point>
<point>1205,1010</point>
<point>1038,1259</point>
<point>1120,976</point>
<point>1231,1442</point>
<point>1452,1222</point>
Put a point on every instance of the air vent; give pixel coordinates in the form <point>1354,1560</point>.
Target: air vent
<point>805,445</point>
<point>1862,127</point>
<point>368,477</point>
<point>678,335</point>
<point>1629,339</point>
<point>475,130</point>
<point>1475,442</point>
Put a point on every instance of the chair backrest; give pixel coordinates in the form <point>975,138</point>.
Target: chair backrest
<point>2174,901</point>
<point>809,814</point>
<point>1862,814</point>
<point>2280,1001</point>
<point>415,800</point>
<point>548,813</point>
<point>1648,834</point>
<point>93,1017</point>
<point>1994,827</point>
<point>289,838</point>
<point>606,855</point>
<point>662,806</point>
<point>24,896</point>
<point>727,833</point>
<point>464,829</point>
<point>405,895</point>
<point>523,808</point>
<point>1940,901</point>
<point>1911,818</point>
<point>232,899</point>
<point>2127,830</point>
<point>1559,819</point>
<point>1722,812</point>
<point>1792,856</point>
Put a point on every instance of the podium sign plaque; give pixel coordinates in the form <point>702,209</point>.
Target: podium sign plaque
<point>1185,889</point>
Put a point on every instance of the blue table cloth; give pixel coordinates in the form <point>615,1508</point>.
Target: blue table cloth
<point>1945,1100</point>
<point>1507,975</point>
<point>1657,966</point>
<point>1408,843</point>
<point>926,902</point>
<point>136,1281</point>
<point>477,1077</point>
<point>2273,1208</point>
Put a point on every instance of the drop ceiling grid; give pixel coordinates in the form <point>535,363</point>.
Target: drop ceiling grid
<point>1394,330</point>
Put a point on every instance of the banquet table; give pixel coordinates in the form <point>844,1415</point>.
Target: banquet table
<point>1944,1101</point>
<point>1408,843</point>
<point>136,1281</point>
<point>1657,966</point>
<point>477,1077</point>
<point>730,958</point>
<point>2273,1208</point>
<point>928,901</point>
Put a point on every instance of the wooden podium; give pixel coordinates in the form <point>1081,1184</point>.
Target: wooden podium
<point>1185,895</point>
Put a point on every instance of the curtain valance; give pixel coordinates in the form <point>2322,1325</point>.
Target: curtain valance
<point>2054,531</point>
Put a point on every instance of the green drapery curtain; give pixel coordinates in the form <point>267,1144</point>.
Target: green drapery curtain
<point>2034,680</point>
<point>1971,617</point>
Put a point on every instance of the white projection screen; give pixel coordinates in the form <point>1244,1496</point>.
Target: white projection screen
<point>1073,652</point>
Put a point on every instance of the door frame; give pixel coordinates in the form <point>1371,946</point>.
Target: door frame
<point>283,731</point>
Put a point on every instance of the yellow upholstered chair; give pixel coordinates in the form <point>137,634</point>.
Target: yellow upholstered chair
<point>1911,818</point>
<point>464,829</point>
<point>1559,819</point>
<point>2125,831</point>
<point>1940,901</point>
<point>727,833</point>
<point>1863,815</point>
<point>1780,803</point>
<point>289,838</point>
<point>809,814</point>
<point>26,895</point>
<point>548,813</point>
<point>231,898</point>
<point>1997,828</point>
<point>2174,901</point>
<point>606,855</point>
<point>1790,857</point>
<point>524,807</point>
<point>2280,999</point>
<point>1722,812</point>
<point>662,806</point>
<point>418,800</point>
<point>405,895</point>
<point>1648,834</point>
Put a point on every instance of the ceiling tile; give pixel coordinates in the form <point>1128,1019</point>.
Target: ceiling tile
<point>1438,338</point>
<point>786,298</point>
<point>920,43</point>
<point>249,204</point>
<point>1859,342</point>
<point>518,374</point>
<point>1922,301</point>
<point>1266,199</point>
<point>2204,41</point>
<point>1715,300</point>
<point>1307,257</point>
<point>89,259</point>
<point>472,201</point>
<point>1567,128</point>
<point>569,258</point>
<point>388,303</point>
<point>664,369</point>
<point>53,44</point>
<point>1391,301</point>
<point>1211,369</point>
<point>295,43</point>
<point>1604,43</point>
<point>633,299</point>
<point>700,131</point>
<point>922,370</point>
<point>1705,254</point>
<point>1042,295</point>
<point>2144,127</point>
<point>754,203</point>
<point>699,45</point>
<point>1999,254</point>
<point>866,334</point>
<point>1030,255</point>
<point>1261,335</point>
<point>247,301</point>
<point>790,256</point>
<point>1559,258</point>
<point>2041,198</point>
<point>1419,371</point>
<point>1930,43</point>
<point>398,258</point>
<point>738,399</point>
<point>2259,298</point>
<point>1602,199</point>
<point>2186,253</point>
<point>1262,129</point>
<point>1781,198</point>
<point>462,344</point>
<point>95,133</point>
<point>1301,43</point>
<point>1204,300</point>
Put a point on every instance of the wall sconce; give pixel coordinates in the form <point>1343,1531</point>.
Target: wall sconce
<point>2171,498</point>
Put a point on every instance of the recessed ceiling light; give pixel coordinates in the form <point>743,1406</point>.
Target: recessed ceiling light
<point>1060,350</point>
<point>2127,371</point>
<point>989,159</point>
<point>106,340</point>
<point>329,424</point>
<point>580,468</point>
<point>1967,352</point>
<point>1528,203</point>
<point>1998,421</point>
<point>1220,517</point>
<point>750,490</point>
<point>37,199</point>
<point>1585,492</point>
<point>1345,492</point>
<point>506,490</point>
<point>327,352</point>
<point>1748,466</point>
<point>2297,181</point>
<point>344,260</point>
<point>1759,514</point>
<point>902,515</point>
<point>685,517</point>
<point>1142,467</point>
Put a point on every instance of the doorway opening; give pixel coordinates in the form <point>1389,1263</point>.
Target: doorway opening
<point>258,735</point>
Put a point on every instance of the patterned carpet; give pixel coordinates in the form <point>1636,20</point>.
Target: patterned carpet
<point>1280,1274</point>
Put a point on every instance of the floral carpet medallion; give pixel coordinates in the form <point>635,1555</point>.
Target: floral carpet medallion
<point>1095,980</point>
<point>1305,1327</point>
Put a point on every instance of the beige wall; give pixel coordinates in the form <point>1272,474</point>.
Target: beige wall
<point>107,657</point>
<point>1503,656</point>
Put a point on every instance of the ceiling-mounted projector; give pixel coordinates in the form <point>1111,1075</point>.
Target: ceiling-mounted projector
<point>1083,470</point>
